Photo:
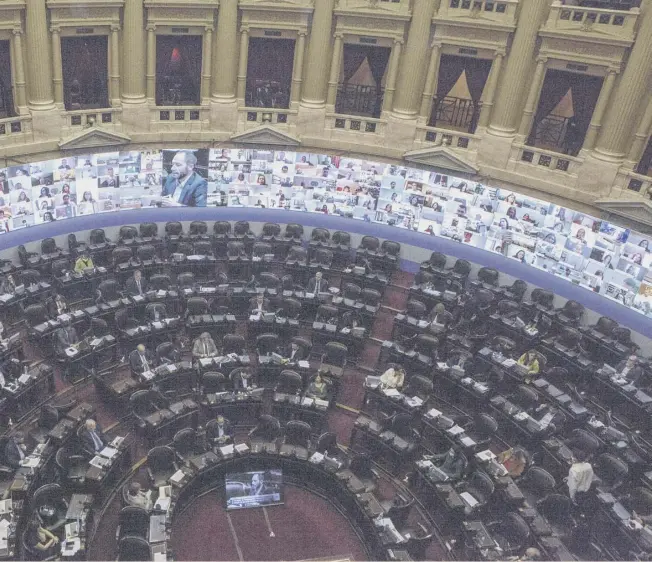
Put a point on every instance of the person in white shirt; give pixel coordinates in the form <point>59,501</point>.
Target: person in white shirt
<point>138,498</point>
<point>393,377</point>
<point>580,476</point>
<point>204,346</point>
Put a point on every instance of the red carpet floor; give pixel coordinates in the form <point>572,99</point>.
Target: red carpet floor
<point>305,527</point>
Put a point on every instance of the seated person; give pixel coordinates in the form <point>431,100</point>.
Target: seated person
<point>92,438</point>
<point>317,284</point>
<point>65,337</point>
<point>529,359</point>
<point>83,262</point>
<point>15,450</point>
<point>2,332</point>
<point>394,377</point>
<point>452,462</point>
<point>56,305</point>
<point>40,539</point>
<point>294,352</point>
<point>141,360</point>
<point>204,346</point>
<point>514,461</point>
<point>244,381</point>
<point>351,320</point>
<point>629,369</point>
<point>552,419</point>
<point>318,388</point>
<point>8,285</point>
<point>258,305</point>
<point>155,312</point>
<point>221,433</point>
<point>438,318</point>
<point>136,285</point>
<point>5,379</point>
<point>136,497</point>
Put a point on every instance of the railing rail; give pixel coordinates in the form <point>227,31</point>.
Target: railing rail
<point>437,136</point>
<point>355,99</point>
<point>249,117</point>
<point>546,159</point>
<point>356,123</point>
<point>180,113</point>
<point>12,127</point>
<point>87,117</point>
<point>630,182</point>
<point>456,112</point>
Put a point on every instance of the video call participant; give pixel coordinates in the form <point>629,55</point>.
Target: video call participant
<point>183,185</point>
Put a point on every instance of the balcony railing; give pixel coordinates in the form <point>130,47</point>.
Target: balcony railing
<point>546,160</point>
<point>394,5</point>
<point>15,129</point>
<point>490,11</point>
<point>354,99</point>
<point>355,123</point>
<point>180,115</point>
<point>107,117</point>
<point>618,24</point>
<point>251,117</point>
<point>434,136</point>
<point>628,183</point>
<point>455,112</point>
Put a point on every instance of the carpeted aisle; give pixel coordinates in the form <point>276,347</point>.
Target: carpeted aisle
<point>305,527</point>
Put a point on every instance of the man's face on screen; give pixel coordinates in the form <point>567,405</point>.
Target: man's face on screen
<point>179,167</point>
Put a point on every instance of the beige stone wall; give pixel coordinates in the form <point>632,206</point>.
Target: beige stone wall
<point>522,38</point>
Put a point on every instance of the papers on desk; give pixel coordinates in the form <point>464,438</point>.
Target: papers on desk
<point>304,364</point>
<point>227,451</point>
<point>391,392</point>
<point>433,413</point>
<point>242,448</point>
<point>467,441</point>
<point>317,458</point>
<point>162,504</point>
<point>148,375</point>
<point>372,381</point>
<point>30,462</point>
<point>6,506</point>
<point>108,452</point>
<point>442,366</point>
<point>485,456</point>
<point>521,416</point>
<point>422,323</point>
<point>24,378</point>
<point>455,430</point>
<point>205,362</point>
<point>414,401</point>
<point>117,441</point>
<point>99,462</point>
<point>178,477</point>
<point>321,404</point>
<point>307,401</point>
<point>508,363</point>
<point>71,352</point>
<point>468,499</point>
<point>4,534</point>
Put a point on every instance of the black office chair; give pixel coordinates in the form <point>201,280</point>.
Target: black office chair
<point>60,266</point>
<point>51,496</point>
<point>363,469</point>
<point>297,434</point>
<point>35,314</point>
<point>294,232</point>
<point>233,343</point>
<point>132,522</point>
<point>481,487</point>
<point>202,248</point>
<point>516,290</point>
<point>460,271</point>
<point>110,291</point>
<point>304,343</point>
<point>436,263</point>
<point>127,234</point>
<point>49,246</point>
<point>508,309</point>
<point>184,442</point>
<point>143,403</point>
<point>184,247</point>
<point>422,278</point>
<point>167,352</point>
<point>325,312</point>
<point>196,306</point>
<point>266,279</point>
<point>186,280</point>
<point>289,382</point>
<point>24,256</point>
<point>420,539</point>
<point>333,359</point>
<point>74,246</point>
<point>538,482</point>
<point>297,256</point>
<point>221,231</point>
<point>401,425</point>
<point>390,252</point>
<point>148,230</point>
<point>212,382</point>
<point>351,293</point>
<point>267,343</point>
<point>543,298</point>
<point>161,464</point>
<point>571,313</point>
<point>611,472</point>
<point>271,231</point>
<point>511,532</point>
<point>241,231</point>
<point>624,336</point>
<point>483,429</point>
<point>268,429</point>
<point>29,277</point>
<point>173,230</point>
<point>419,386</point>
<point>290,308</point>
<point>133,549</point>
<point>488,277</point>
<point>371,300</point>
<point>525,397</point>
<point>121,255</point>
<point>327,444</point>
<point>584,440</point>
<point>97,237</point>
<point>71,467</point>
<point>322,258</point>
<point>605,325</point>
<point>235,249</point>
<point>398,508</point>
<point>319,237</point>
<point>369,246</point>
<point>198,229</point>
<point>341,239</point>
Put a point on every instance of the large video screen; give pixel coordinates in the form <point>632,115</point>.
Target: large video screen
<point>582,249</point>
<point>254,489</point>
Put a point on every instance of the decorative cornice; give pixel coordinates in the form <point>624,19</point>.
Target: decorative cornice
<point>265,135</point>
<point>93,138</point>
<point>441,157</point>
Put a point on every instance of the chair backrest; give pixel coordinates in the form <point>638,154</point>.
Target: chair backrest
<point>186,279</point>
<point>297,433</point>
<point>146,252</point>
<point>297,253</point>
<point>48,246</point>
<point>133,521</point>
<point>488,275</point>
<point>266,343</point>
<point>390,247</point>
<point>402,425</point>
<point>234,248</point>
<point>610,469</point>
<point>303,343</point>
<point>518,289</point>
<point>570,337</point>
<point>35,314</point>
<point>320,235</point>
<point>341,238</point>
<point>161,458</point>
<point>72,241</point>
<point>419,386</point>
<point>198,228</point>
<point>173,228</point>
<point>327,443</point>
<point>426,344</point>
<point>241,228</point>
<point>325,312</point>
<point>291,307</point>
<point>196,306</point>
<point>543,297</point>
<point>148,229</point>
<point>525,396</point>
<point>184,441</point>
<point>289,382</point>
<point>606,325</point>
<point>462,268</point>
<point>202,248</point>
<point>438,260</point>
<point>121,255</point>
<point>213,381</point>
<point>134,549</point>
<point>97,236</point>
<point>482,482</point>
<point>222,228</point>
<point>584,440</point>
<point>140,402</point>
<point>539,480</point>
<point>351,291</point>
<point>370,243</point>
<point>166,350</point>
<point>293,230</point>
<point>508,308</point>
<point>335,353</point>
<point>184,248</point>
<point>622,335</point>
<point>29,277</point>
<point>160,281</point>
<point>261,248</point>
<point>109,289</point>
<point>267,428</point>
<point>233,343</point>
<point>59,266</point>
<point>370,297</point>
<point>574,310</point>
<point>48,494</point>
<point>485,424</point>
<point>515,529</point>
<point>416,308</point>
<point>323,256</point>
<point>271,229</point>
<point>127,232</point>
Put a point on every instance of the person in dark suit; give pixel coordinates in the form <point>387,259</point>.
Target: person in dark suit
<point>221,433</point>
<point>136,285</point>
<point>141,360</point>
<point>243,381</point>
<point>294,352</point>
<point>452,462</point>
<point>183,185</point>
<point>156,312</point>
<point>56,305</point>
<point>630,369</point>
<point>65,337</point>
<point>14,451</point>
<point>259,305</point>
<point>317,284</point>
<point>92,438</point>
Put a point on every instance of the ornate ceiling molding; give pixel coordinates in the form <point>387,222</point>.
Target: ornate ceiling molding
<point>94,138</point>
<point>441,157</point>
<point>265,135</point>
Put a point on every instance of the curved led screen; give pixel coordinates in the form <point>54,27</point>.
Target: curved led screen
<point>582,249</point>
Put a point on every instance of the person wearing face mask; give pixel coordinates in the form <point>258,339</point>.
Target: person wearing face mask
<point>629,369</point>
<point>56,305</point>
<point>204,346</point>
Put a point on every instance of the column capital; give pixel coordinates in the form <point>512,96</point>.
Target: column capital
<point>17,31</point>
<point>499,53</point>
<point>302,33</point>
<point>244,29</point>
<point>542,59</point>
<point>399,41</point>
<point>55,29</point>
<point>339,35</point>
<point>436,44</point>
<point>114,27</point>
<point>151,27</point>
<point>208,29</point>
<point>613,69</point>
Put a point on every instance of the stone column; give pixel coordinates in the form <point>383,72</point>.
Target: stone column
<point>336,69</point>
<point>319,51</point>
<point>392,73</point>
<point>641,139</point>
<point>533,96</point>
<point>225,63</point>
<point>600,107</point>
<point>19,71</point>
<point>297,71</point>
<point>490,89</point>
<point>151,62</point>
<point>57,64</point>
<point>632,91</point>
<point>133,52</point>
<point>39,69</point>
<point>431,82</point>
<point>242,63</point>
<point>514,80</point>
<point>115,65</point>
<point>207,51</point>
<point>410,83</point>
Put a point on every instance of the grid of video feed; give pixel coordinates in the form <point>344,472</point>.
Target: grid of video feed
<point>587,251</point>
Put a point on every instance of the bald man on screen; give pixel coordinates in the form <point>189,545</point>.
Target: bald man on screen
<point>184,186</point>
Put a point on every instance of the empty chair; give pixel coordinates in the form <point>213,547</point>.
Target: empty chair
<point>186,280</point>
<point>202,248</point>
<point>391,251</point>
<point>297,433</point>
<point>325,313</point>
<point>511,532</point>
<point>516,290</point>
<point>184,442</point>
<point>233,343</point>
<point>319,237</point>
<point>121,255</point>
<point>539,481</point>
<point>488,276</point>
<point>173,230</point>
<point>542,298</point>
<point>71,467</point>
<point>362,467</point>
<point>427,345</point>
<point>419,386</point>
<point>127,234</point>
<point>148,230</point>
<point>267,429</point>
<point>322,258</point>
<point>24,256</point>
<point>213,382</point>
<point>484,427</point>
<point>166,352</point>
<point>161,464</point>
<point>261,249</point>
<point>297,255</point>
<point>327,444</point>
<point>133,522</point>
<point>196,306</point>
<point>422,279</point>
<point>351,292</point>
<point>35,314</point>
<point>271,231</point>
<point>294,232</point>
<point>508,309</point>
<point>109,290</point>
<point>134,549</point>
<point>97,237</point>
<point>290,308</point>
<point>369,245</point>
<point>289,382</point>
<point>401,425</point>
<point>334,358</point>
<point>59,267</point>
<point>341,239</point>
<point>371,299</point>
<point>611,472</point>
<point>242,230</point>
<point>557,509</point>
<point>49,246</point>
<point>571,313</point>
<point>146,253</point>
<point>416,309</point>
<point>74,246</point>
<point>160,282</point>
<point>198,229</point>
<point>221,230</point>
<point>267,343</point>
<point>183,247</point>
<point>235,250</point>
<point>481,488</point>
<point>436,263</point>
<point>526,397</point>
<point>584,440</point>
<point>51,496</point>
<point>460,271</point>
